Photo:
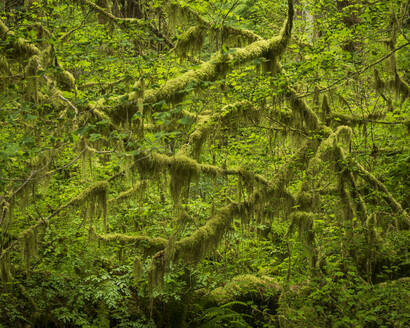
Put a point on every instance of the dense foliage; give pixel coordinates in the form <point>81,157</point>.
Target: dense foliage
<point>226,163</point>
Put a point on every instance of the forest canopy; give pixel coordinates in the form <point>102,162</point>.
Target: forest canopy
<point>225,163</point>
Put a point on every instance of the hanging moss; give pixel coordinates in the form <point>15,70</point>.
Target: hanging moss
<point>379,84</point>
<point>302,111</point>
<point>31,70</point>
<point>23,49</point>
<point>94,199</point>
<point>182,169</point>
<point>138,188</point>
<point>151,165</point>
<point>325,112</point>
<point>3,29</point>
<point>30,245</point>
<point>4,65</point>
<point>5,274</point>
<point>402,88</point>
<point>198,137</point>
<point>190,43</point>
<point>228,119</point>
<point>182,14</point>
<point>65,80</point>
<point>316,96</point>
<point>205,239</point>
<point>344,134</point>
<point>302,222</point>
<point>347,177</point>
<point>137,268</point>
<point>347,206</point>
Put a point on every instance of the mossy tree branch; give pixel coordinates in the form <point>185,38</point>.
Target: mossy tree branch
<point>209,71</point>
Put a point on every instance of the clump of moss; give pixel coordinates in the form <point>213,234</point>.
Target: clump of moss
<point>246,287</point>
<point>302,112</point>
<point>4,65</point>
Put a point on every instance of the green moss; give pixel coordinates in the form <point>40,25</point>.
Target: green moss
<point>402,88</point>
<point>228,118</point>
<point>204,240</point>
<point>325,110</point>
<point>65,80</point>
<point>182,169</point>
<point>137,268</point>
<point>3,28</point>
<point>138,188</point>
<point>379,84</point>
<point>344,134</point>
<point>190,43</point>
<point>150,245</point>
<point>5,274</point>
<point>4,65</point>
<point>302,112</point>
<point>23,49</point>
<point>247,287</point>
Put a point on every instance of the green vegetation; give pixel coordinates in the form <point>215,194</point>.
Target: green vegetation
<point>226,163</point>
